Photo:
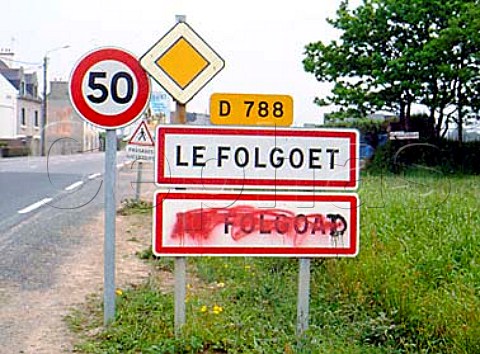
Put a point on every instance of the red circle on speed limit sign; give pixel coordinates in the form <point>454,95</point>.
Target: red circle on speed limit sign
<point>109,88</point>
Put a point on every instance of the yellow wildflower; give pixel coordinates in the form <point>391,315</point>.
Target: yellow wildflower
<point>203,308</point>
<point>247,267</point>
<point>217,309</point>
<point>119,292</point>
<point>220,285</point>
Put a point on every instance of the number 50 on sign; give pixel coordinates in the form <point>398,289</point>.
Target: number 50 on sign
<point>109,88</point>
<point>251,109</point>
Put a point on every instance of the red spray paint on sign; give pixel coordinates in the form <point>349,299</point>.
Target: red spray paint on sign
<point>241,221</point>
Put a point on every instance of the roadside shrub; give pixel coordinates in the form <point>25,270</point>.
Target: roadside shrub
<point>445,156</point>
<point>133,206</point>
<point>364,125</point>
<point>15,151</point>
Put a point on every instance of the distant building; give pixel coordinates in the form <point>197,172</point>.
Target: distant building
<point>20,105</point>
<point>198,118</point>
<point>66,132</point>
<point>193,118</point>
<point>383,116</point>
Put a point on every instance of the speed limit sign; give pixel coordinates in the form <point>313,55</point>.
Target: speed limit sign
<point>109,88</point>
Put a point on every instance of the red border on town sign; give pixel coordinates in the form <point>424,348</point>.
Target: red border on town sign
<point>163,179</point>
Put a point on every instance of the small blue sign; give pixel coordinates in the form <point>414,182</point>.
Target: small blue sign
<point>160,103</point>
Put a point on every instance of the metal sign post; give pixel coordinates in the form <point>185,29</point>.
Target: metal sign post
<point>109,239</point>
<point>180,262</point>
<point>138,191</point>
<point>303,297</point>
<point>180,292</point>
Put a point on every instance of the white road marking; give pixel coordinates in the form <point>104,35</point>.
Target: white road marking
<point>94,175</point>
<point>74,185</point>
<point>35,206</point>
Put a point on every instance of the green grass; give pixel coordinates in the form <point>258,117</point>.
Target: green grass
<point>414,287</point>
<point>133,206</point>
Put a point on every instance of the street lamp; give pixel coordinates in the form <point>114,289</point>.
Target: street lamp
<point>44,108</point>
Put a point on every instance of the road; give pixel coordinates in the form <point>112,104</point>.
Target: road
<point>43,205</point>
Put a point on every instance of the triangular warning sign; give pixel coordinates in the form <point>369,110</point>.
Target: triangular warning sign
<point>142,136</point>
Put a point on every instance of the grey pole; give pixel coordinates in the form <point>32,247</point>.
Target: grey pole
<point>44,107</point>
<point>109,238</point>
<point>44,102</point>
<point>180,292</point>
<point>139,181</point>
<point>303,296</point>
<point>180,262</point>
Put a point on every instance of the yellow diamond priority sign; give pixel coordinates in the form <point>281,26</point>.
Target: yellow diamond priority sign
<point>182,62</point>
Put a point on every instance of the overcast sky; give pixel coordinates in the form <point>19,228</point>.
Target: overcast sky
<point>262,42</point>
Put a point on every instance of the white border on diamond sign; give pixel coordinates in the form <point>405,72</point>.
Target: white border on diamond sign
<point>182,29</point>
<point>100,119</point>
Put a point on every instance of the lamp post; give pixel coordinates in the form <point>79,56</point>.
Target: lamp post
<point>44,102</point>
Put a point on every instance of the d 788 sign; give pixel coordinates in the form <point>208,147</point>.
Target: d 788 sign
<point>251,109</point>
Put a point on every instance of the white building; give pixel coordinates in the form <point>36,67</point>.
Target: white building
<point>8,109</point>
<point>66,132</point>
<point>20,105</point>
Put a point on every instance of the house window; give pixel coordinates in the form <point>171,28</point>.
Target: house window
<point>36,119</point>
<point>24,120</point>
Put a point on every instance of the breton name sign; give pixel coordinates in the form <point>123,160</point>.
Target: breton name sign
<point>257,157</point>
<point>255,224</point>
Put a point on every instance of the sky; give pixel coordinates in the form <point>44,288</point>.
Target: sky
<point>261,42</point>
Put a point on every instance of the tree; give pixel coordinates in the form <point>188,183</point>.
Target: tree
<point>395,53</point>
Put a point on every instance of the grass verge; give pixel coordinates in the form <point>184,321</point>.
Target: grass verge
<point>414,287</point>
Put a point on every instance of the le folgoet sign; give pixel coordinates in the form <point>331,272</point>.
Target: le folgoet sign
<point>257,157</point>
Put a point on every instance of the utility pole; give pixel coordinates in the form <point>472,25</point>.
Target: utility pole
<point>44,103</point>
<point>44,106</point>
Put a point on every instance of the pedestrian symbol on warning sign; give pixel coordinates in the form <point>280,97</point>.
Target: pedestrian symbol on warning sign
<point>142,136</point>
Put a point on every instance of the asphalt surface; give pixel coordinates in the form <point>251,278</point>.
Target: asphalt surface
<point>42,211</point>
<point>26,181</point>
